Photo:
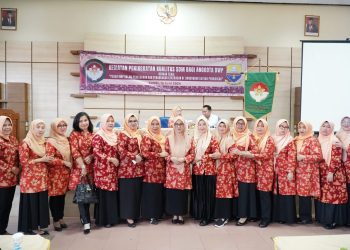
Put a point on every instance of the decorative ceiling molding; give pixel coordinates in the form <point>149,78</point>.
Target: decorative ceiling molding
<point>314,2</point>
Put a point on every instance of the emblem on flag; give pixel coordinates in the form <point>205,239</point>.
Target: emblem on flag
<point>259,91</point>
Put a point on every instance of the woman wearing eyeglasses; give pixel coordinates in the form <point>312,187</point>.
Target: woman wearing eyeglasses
<point>178,171</point>
<point>131,170</point>
<point>284,210</point>
<point>309,155</point>
<point>57,147</point>
<point>344,136</point>
<point>242,151</point>
<point>264,169</point>
<point>331,207</point>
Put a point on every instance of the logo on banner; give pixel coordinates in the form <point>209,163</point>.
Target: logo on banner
<point>233,74</point>
<point>95,70</point>
<point>259,91</point>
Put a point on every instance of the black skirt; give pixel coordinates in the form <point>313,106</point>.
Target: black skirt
<point>223,208</point>
<point>331,213</point>
<point>152,200</point>
<point>6,198</point>
<point>176,201</point>
<point>203,197</point>
<point>33,211</point>
<point>284,209</point>
<point>106,211</point>
<point>348,206</point>
<point>130,197</point>
<point>247,205</point>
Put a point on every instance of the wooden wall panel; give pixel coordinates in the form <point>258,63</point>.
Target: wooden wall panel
<point>279,56</point>
<point>104,42</point>
<point>118,114</point>
<point>184,46</point>
<point>144,115</point>
<point>296,77</point>
<point>190,102</point>
<point>2,73</point>
<point>2,51</point>
<point>65,55</point>
<point>261,56</point>
<point>296,57</point>
<point>144,102</point>
<point>145,45</point>
<point>44,51</point>
<point>281,104</point>
<point>224,103</point>
<point>19,72</point>
<point>223,45</point>
<point>105,101</point>
<point>257,69</point>
<point>67,84</point>
<point>45,91</point>
<point>18,51</point>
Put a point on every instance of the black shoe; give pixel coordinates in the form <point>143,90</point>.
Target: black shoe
<point>153,221</point>
<point>108,225</point>
<point>86,231</point>
<point>64,225</point>
<point>238,223</point>
<point>329,226</point>
<point>263,224</point>
<point>220,222</point>
<point>45,232</point>
<point>174,221</point>
<point>58,229</point>
<point>203,223</point>
<point>304,222</point>
<point>281,222</point>
<point>132,225</point>
<point>253,219</point>
<point>5,233</point>
<point>181,222</point>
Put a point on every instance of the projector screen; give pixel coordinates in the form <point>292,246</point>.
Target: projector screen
<point>325,84</point>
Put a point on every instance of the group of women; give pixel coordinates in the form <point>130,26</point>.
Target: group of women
<point>232,173</point>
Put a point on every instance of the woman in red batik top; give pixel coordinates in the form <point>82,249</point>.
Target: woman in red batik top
<point>309,155</point>
<point>33,214</point>
<point>9,169</point>
<point>331,207</point>
<point>264,160</point>
<point>242,150</point>
<point>344,136</point>
<point>178,171</point>
<point>226,181</point>
<point>152,149</point>
<point>206,150</point>
<point>81,148</point>
<point>104,144</point>
<point>131,170</point>
<point>57,147</point>
<point>284,210</point>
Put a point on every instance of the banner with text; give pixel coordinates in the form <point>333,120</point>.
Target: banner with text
<point>162,75</point>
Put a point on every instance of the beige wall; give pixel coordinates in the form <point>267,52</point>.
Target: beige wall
<point>278,25</point>
<point>39,51</point>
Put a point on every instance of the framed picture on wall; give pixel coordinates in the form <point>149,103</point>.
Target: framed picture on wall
<point>312,25</point>
<point>8,18</point>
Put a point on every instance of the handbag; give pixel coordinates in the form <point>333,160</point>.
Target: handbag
<point>85,193</point>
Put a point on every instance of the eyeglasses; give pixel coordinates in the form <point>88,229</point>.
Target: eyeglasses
<point>240,123</point>
<point>62,126</point>
<point>283,127</point>
<point>132,121</point>
<point>178,124</point>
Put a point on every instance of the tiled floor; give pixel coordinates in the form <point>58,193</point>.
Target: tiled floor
<point>166,236</point>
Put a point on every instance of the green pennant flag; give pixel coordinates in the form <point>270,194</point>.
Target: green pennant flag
<point>259,91</point>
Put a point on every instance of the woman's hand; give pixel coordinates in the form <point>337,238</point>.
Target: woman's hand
<point>88,159</point>
<point>215,155</point>
<point>113,160</point>
<point>163,154</point>
<point>68,164</point>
